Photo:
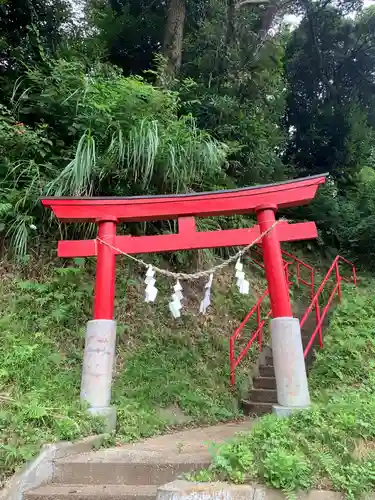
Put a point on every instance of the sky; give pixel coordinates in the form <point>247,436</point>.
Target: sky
<point>294,20</point>
<point>290,19</point>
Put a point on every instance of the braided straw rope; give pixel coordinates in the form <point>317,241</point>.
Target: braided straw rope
<point>199,274</point>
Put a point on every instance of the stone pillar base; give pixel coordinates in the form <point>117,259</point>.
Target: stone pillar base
<point>289,363</point>
<point>98,360</point>
<point>109,416</point>
<point>286,411</point>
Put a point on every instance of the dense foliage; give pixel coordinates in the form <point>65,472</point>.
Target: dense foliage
<point>331,103</point>
<point>205,95</point>
<point>131,97</point>
<point>158,366</point>
<point>331,445</point>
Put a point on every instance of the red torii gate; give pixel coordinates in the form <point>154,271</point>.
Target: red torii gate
<point>108,212</point>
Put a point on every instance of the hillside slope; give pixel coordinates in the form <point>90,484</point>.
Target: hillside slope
<point>330,446</point>
<point>167,372</point>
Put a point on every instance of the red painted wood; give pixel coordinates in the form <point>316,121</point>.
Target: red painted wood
<point>187,225</point>
<point>189,240</point>
<point>229,202</point>
<point>104,298</point>
<point>107,212</point>
<point>273,264</point>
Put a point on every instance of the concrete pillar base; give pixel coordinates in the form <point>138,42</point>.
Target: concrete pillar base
<point>108,415</point>
<point>286,411</point>
<point>289,363</point>
<point>98,360</point>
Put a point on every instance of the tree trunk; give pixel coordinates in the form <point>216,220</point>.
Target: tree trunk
<point>230,31</point>
<point>229,38</point>
<point>174,34</point>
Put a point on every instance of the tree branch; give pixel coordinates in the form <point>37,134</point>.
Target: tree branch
<point>311,18</point>
<point>251,2</point>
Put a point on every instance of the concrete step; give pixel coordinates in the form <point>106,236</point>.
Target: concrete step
<point>263,395</point>
<point>264,383</point>
<point>266,371</point>
<point>269,361</point>
<point>305,340</point>
<point>315,345</point>
<point>256,408</point>
<point>307,336</point>
<point>128,467</point>
<point>91,492</point>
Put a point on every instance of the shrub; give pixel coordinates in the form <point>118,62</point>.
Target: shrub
<point>330,445</point>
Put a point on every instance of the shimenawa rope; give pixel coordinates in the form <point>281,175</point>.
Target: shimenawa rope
<point>199,274</point>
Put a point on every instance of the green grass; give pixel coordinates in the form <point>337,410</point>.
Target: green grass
<point>332,445</point>
<point>40,353</point>
<point>160,362</point>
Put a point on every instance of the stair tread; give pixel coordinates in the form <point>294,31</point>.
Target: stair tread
<point>264,383</point>
<point>262,395</point>
<point>267,371</point>
<point>75,490</point>
<point>130,467</point>
<point>133,457</point>
<point>257,403</point>
<point>256,407</point>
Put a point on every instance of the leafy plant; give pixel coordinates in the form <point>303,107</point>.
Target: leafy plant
<point>98,134</point>
<point>40,351</point>
<point>331,444</point>
<point>157,364</point>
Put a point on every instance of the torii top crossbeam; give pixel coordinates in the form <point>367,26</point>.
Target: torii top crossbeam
<point>146,208</point>
<point>107,212</point>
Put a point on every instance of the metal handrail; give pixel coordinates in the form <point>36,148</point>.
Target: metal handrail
<point>298,262</point>
<point>257,334</point>
<point>320,316</point>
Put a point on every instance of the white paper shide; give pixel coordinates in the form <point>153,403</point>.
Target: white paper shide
<point>206,302</point>
<point>242,283</point>
<point>175,305</point>
<point>151,290</point>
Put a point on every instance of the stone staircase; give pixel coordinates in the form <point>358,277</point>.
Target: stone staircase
<point>134,471</point>
<point>263,394</point>
<point>121,476</point>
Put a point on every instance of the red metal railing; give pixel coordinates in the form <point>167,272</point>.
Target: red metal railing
<point>256,310</point>
<point>256,335</point>
<point>298,264</point>
<point>334,271</point>
<point>301,264</point>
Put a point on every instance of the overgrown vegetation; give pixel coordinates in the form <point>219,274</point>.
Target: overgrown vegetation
<point>40,363</point>
<point>159,368</point>
<point>130,141</point>
<point>233,97</point>
<point>330,446</point>
<point>132,97</point>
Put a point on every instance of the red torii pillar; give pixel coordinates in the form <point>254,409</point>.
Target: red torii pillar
<point>107,212</point>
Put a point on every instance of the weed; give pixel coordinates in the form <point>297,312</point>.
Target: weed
<point>40,352</point>
<point>160,362</point>
<point>330,445</point>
